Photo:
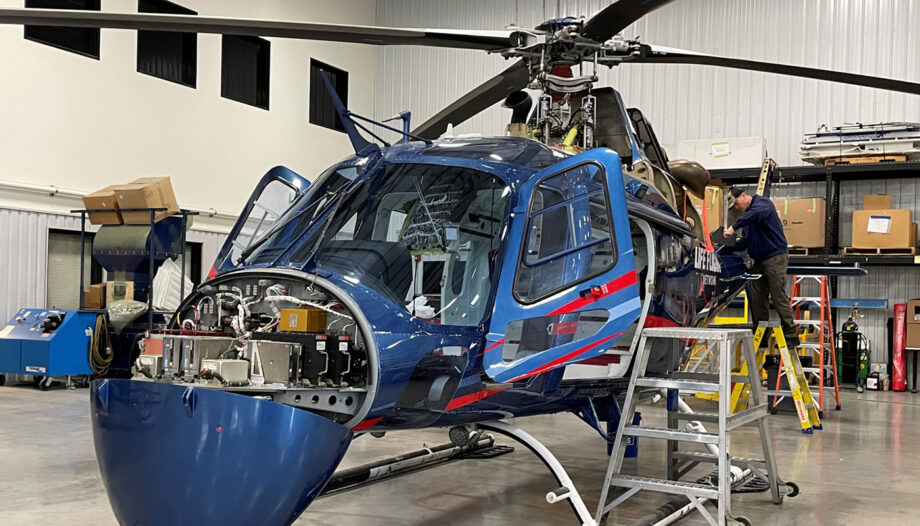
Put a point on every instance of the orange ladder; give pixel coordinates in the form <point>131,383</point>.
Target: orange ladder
<point>824,335</point>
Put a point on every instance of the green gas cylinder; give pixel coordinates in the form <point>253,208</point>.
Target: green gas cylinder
<point>849,358</point>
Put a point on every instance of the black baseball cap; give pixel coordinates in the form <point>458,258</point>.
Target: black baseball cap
<point>733,194</point>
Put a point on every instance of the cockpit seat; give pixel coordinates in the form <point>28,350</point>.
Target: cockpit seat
<point>389,263</point>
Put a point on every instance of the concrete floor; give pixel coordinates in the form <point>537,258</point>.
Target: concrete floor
<point>863,468</point>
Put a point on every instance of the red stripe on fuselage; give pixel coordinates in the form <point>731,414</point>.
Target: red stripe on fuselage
<point>566,357</point>
<point>367,424</point>
<point>616,285</point>
<point>494,345</point>
<point>461,401</point>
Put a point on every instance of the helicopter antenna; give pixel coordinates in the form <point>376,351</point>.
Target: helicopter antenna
<point>358,142</point>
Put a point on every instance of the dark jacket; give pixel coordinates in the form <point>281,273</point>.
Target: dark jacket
<point>763,231</point>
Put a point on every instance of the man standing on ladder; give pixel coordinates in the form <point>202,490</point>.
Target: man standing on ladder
<point>766,244</point>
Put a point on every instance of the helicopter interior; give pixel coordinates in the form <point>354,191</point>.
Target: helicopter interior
<point>426,239</point>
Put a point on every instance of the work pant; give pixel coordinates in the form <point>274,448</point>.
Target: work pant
<point>772,282</point>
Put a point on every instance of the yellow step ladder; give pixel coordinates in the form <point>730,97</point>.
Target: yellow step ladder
<point>805,406</point>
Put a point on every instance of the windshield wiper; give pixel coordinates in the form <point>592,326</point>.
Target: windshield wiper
<point>322,233</point>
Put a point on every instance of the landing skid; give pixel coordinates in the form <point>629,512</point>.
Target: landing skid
<point>482,446</point>
<point>567,489</point>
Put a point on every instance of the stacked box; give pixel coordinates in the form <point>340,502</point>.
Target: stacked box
<point>803,221</point>
<point>714,203</point>
<point>913,324</point>
<point>146,192</point>
<point>103,199</point>
<point>878,225</point>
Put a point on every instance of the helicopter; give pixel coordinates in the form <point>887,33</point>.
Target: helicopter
<point>438,281</point>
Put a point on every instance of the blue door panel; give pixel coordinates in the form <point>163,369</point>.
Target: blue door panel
<point>615,290</point>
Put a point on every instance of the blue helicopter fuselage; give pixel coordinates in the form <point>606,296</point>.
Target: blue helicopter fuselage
<point>420,285</point>
<point>435,373</point>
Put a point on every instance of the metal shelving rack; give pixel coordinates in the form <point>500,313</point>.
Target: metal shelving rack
<point>832,176</point>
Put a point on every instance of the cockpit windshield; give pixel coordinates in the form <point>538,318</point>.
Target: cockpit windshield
<point>424,236</point>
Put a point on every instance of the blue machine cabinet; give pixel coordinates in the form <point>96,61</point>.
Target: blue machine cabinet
<point>46,342</point>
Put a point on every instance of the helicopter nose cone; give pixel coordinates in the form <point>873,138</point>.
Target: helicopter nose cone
<point>174,454</point>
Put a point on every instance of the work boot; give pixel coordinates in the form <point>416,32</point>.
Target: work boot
<point>792,341</point>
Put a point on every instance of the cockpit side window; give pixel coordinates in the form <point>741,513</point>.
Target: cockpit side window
<point>568,237</point>
<point>274,200</point>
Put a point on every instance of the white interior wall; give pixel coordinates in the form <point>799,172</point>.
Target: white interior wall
<point>684,101</point>
<point>81,124</point>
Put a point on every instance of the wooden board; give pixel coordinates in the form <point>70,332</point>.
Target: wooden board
<point>906,251</point>
<point>866,159</point>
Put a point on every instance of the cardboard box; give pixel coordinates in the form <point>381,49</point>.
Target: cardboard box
<point>715,207</point>
<point>146,192</point>
<point>118,290</point>
<point>913,311</point>
<point>883,229</point>
<point>803,221</point>
<point>104,198</point>
<point>913,336</point>
<point>94,296</point>
<point>166,190</point>
<point>876,202</point>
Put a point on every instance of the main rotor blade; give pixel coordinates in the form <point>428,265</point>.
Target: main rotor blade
<point>615,17</point>
<point>486,94</point>
<point>461,39</point>
<point>662,55</point>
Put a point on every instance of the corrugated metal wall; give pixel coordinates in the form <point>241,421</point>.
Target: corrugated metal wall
<point>23,259</point>
<point>682,101</point>
<point>698,102</point>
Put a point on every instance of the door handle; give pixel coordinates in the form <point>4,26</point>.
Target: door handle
<point>596,292</point>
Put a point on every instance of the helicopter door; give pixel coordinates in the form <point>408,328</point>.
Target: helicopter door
<point>276,192</point>
<point>568,271</point>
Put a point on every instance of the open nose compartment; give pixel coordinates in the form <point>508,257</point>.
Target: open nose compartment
<point>281,336</point>
<point>241,411</point>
